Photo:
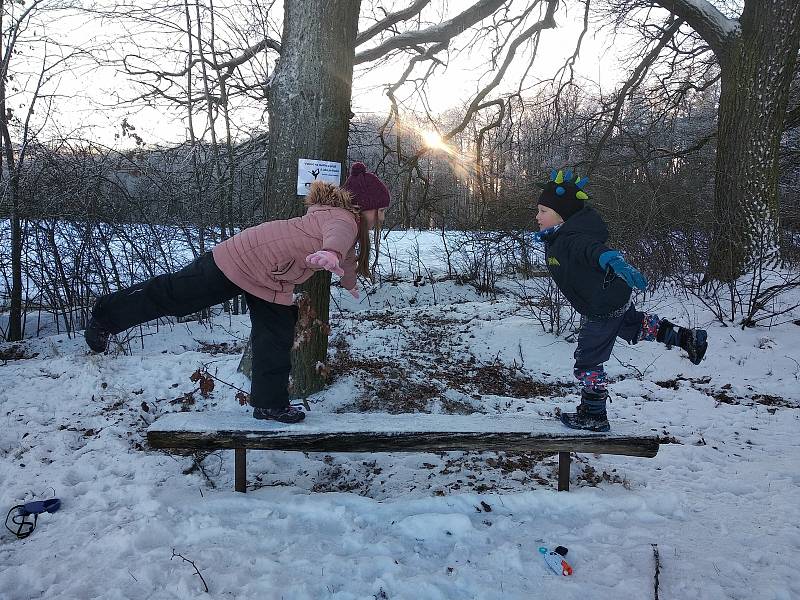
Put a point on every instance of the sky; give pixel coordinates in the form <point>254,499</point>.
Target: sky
<point>466,74</point>
<point>718,502</point>
<point>87,98</point>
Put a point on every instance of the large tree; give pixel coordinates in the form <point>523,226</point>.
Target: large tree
<point>755,53</point>
<point>309,114</point>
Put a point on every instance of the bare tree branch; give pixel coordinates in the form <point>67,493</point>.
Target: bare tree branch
<point>15,31</point>
<point>437,34</point>
<point>477,103</point>
<point>229,65</point>
<point>631,84</point>
<point>479,145</point>
<point>688,151</point>
<point>390,20</point>
<point>547,22</point>
<point>702,16</point>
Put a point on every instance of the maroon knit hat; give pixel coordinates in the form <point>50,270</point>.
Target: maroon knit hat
<point>368,191</point>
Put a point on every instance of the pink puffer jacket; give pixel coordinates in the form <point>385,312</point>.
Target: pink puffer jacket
<point>268,260</point>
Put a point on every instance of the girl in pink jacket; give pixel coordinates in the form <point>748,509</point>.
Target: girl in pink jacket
<point>264,263</point>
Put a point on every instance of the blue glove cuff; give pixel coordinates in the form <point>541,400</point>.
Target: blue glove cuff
<point>608,256</point>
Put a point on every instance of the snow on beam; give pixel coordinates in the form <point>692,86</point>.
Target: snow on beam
<point>379,432</point>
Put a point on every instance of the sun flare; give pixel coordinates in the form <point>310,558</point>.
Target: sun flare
<point>432,139</point>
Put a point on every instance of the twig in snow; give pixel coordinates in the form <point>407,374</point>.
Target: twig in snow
<point>658,569</point>
<point>795,362</point>
<point>204,371</point>
<point>197,465</point>
<point>191,562</point>
<point>639,373</point>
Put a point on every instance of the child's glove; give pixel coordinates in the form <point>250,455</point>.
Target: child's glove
<point>354,293</point>
<point>612,259</point>
<point>325,259</point>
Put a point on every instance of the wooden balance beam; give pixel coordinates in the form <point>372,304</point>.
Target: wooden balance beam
<point>380,432</point>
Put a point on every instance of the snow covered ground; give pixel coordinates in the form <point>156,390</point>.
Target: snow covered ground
<point>720,501</point>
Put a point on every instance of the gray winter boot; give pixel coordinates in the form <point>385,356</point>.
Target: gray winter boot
<point>286,414</point>
<point>590,414</point>
<point>694,341</point>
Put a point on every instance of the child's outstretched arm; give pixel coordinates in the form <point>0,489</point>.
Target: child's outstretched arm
<point>325,259</point>
<point>339,233</point>
<point>612,259</point>
<point>591,251</point>
<point>338,236</point>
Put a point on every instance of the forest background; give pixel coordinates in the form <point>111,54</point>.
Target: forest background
<point>138,135</point>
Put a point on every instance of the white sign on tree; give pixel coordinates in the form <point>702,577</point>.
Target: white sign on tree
<point>310,170</point>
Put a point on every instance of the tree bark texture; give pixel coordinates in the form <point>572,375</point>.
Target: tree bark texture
<point>309,95</point>
<point>757,68</point>
<point>309,115</point>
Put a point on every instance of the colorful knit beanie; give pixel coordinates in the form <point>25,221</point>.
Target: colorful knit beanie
<point>564,193</point>
<point>368,191</point>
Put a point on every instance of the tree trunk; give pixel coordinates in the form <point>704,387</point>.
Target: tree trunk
<point>757,69</point>
<point>15,328</point>
<point>309,116</point>
<point>15,316</point>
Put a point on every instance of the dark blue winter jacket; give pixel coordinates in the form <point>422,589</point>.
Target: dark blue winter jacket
<point>572,253</point>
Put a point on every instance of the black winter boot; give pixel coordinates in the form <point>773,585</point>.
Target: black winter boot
<point>590,414</point>
<point>96,336</point>
<point>286,414</point>
<point>694,341</point>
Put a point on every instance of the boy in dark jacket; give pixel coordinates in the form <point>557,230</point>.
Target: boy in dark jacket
<point>597,282</point>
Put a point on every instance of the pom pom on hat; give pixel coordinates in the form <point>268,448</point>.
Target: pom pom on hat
<point>368,191</point>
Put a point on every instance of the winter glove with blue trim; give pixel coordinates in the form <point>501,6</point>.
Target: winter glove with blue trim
<point>612,259</point>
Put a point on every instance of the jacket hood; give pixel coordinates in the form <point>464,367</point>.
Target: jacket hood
<point>588,221</point>
<point>327,194</point>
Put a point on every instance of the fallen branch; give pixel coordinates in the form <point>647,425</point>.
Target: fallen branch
<point>191,562</point>
<point>658,569</point>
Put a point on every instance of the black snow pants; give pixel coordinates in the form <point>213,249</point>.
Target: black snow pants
<point>200,285</point>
